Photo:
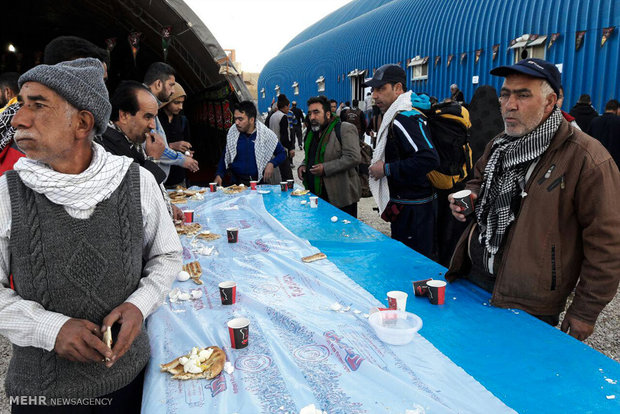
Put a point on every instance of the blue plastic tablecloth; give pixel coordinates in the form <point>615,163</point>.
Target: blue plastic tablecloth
<point>528,365</point>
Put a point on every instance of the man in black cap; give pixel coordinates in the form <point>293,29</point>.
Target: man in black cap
<point>546,216</point>
<point>403,156</point>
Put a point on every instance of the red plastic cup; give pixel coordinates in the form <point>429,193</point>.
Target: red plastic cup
<point>283,186</point>
<point>420,288</point>
<point>465,200</point>
<point>228,292</point>
<point>253,185</point>
<point>188,216</point>
<point>239,331</point>
<point>213,187</point>
<point>436,291</point>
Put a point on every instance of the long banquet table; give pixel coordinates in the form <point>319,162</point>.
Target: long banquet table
<point>468,357</point>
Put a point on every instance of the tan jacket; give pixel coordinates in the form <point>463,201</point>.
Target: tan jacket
<point>567,232</point>
<point>340,176</point>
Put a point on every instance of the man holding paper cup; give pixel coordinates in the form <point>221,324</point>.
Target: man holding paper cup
<point>545,219</point>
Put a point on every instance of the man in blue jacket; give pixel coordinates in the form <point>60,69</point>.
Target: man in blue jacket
<point>401,160</point>
<point>252,150</point>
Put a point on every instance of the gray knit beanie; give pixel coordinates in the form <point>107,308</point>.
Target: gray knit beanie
<point>80,82</point>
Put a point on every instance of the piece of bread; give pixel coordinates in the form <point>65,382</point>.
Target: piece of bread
<point>314,257</point>
<point>234,189</point>
<point>193,268</point>
<point>208,236</point>
<point>211,368</point>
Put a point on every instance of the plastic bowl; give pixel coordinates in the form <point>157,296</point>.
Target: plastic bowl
<point>395,327</point>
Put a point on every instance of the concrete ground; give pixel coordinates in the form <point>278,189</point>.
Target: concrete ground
<point>606,337</point>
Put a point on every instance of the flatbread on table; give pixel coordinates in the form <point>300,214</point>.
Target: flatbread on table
<point>195,271</point>
<point>300,192</point>
<point>211,367</point>
<point>314,257</point>
<point>188,229</point>
<point>206,236</point>
<point>234,189</point>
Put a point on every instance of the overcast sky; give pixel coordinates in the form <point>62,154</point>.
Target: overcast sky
<point>258,30</point>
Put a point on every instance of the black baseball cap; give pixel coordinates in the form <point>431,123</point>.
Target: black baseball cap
<point>387,73</point>
<point>536,68</point>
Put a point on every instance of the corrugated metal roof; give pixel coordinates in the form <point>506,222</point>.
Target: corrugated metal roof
<point>402,29</point>
<point>344,14</point>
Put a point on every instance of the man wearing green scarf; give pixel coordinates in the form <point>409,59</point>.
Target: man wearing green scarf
<point>332,154</point>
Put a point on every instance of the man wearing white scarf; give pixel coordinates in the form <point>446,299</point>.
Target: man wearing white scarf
<point>86,246</point>
<point>401,160</point>
<point>252,150</point>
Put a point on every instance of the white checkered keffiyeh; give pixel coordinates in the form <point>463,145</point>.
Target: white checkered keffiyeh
<point>265,145</point>
<point>504,179</point>
<point>379,188</point>
<point>6,130</point>
<point>78,191</point>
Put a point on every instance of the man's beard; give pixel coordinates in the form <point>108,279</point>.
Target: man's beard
<point>315,127</point>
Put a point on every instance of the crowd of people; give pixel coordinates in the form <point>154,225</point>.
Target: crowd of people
<point>87,241</point>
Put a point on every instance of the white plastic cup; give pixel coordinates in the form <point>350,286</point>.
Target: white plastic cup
<point>397,300</point>
<point>314,202</point>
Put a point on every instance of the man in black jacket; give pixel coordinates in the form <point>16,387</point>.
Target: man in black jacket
<point>606,128</point>
<point>404,155</point>
<point>132,122</point>
<point>134,109</point>
<point>583,112</point>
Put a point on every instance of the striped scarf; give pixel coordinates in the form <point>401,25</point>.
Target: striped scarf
<point>504,179</point>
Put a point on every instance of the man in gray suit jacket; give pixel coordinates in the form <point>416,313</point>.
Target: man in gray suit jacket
<point>332,154</point>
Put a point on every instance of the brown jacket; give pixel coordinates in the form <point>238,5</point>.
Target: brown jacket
<point>340,176</point>
<point>567,232</point>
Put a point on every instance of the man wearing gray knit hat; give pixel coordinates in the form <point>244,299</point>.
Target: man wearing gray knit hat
<point>88,237</point>
<point>80,82</point>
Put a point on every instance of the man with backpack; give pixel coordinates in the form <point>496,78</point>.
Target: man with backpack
<point>332,154</point>
<point>355,116</point>
<point>402,158</point>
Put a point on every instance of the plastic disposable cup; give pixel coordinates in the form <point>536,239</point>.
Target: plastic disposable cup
<point>232,234</point>
<point>253,185</point>
<point>239,331</point>
<point>397,300</point>
<point>228,292</point>
<point>420,288</point>
<point>213,187</point>
<point>314,201</point>
<point>283,186</point>
<point>188,216</point>
<point>290,184</point>
<point>465,200</point>
<point>436,291</point>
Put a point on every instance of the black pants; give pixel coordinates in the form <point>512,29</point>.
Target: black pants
<point>414,227</point>
<point>448,230</point>
<point>285,170</point>
<point>127,400</point>
<point>297,133</point>
<point>351,209</point>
